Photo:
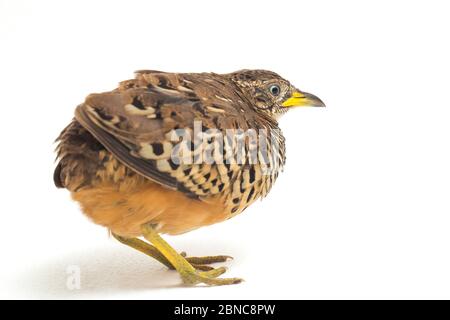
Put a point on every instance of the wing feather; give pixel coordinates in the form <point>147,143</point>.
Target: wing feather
<point>134,122</point>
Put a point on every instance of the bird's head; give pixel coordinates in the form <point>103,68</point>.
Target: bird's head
<point>271,94</point>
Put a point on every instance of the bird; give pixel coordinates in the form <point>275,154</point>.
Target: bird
<point>167,153</point>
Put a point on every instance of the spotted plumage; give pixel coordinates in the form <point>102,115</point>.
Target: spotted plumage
<point>176,150</point>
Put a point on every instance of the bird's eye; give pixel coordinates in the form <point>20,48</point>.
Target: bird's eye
<point>274,90</point>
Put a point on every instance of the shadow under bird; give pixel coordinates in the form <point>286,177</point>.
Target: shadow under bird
<point>121,158</point>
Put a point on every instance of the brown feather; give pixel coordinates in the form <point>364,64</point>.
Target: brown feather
<point>115,157</point>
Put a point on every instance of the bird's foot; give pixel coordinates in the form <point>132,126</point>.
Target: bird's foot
<point>190,272</point>
<point>202,272</point>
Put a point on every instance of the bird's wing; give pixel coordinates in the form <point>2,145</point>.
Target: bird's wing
<point>135,122</point>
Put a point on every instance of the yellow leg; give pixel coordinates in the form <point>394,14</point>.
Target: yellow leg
<point>188,273</point>
<point>144,247</point>
<point>199,263</point>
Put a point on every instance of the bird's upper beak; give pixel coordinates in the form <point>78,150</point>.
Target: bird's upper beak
<point>302,99</point>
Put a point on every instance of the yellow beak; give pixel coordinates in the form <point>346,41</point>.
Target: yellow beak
<point>303,99</point>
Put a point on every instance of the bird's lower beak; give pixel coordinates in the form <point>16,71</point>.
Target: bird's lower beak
<point>303,99</point>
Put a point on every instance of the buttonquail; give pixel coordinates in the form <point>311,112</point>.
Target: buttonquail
<point>171,152</point>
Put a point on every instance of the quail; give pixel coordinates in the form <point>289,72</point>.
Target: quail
<point>166,153</point>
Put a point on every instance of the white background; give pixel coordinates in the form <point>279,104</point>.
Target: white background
<point>362,209</point>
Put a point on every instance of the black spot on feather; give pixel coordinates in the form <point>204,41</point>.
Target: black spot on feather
<point>138,103</point>
<point>173,165</point>
<point>199,107</point>
<point>163,83</point>
<point>251,173</point>
<point>103,115</point>
<point>250,194</point>
<point>158,148</point>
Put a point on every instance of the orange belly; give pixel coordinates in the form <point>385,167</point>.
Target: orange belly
<point>125,210</point>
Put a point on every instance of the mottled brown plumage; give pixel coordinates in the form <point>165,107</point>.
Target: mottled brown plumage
<point>117,155</point>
